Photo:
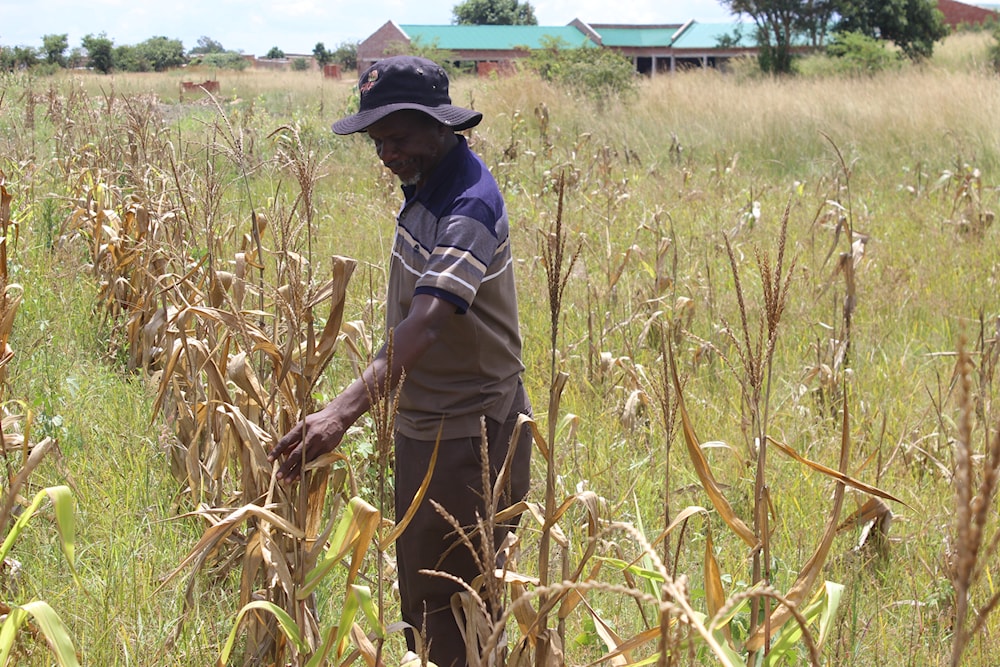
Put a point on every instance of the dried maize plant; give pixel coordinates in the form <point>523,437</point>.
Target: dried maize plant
<point>755,343</point>
<point>10,294</point>
<point>242,358</point>
<point>969,213</point>
<point>827,375</point>
<point>972,548</point>
<point>236,357</point>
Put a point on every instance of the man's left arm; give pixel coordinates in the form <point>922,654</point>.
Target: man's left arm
<point>322,431</point>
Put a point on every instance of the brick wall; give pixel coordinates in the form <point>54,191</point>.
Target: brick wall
<point>374,48</point>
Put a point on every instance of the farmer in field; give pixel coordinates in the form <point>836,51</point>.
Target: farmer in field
<point>451,309</point>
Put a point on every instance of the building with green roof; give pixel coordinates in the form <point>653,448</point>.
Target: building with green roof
<point>652,48</point>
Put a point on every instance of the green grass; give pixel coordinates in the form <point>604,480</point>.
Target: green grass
<point>683,165</point>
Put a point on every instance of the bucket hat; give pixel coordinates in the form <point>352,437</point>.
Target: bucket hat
<point>405,82</point>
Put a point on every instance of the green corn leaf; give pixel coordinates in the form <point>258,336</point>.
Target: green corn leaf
<point>285,621</point>
<point>48,622</point>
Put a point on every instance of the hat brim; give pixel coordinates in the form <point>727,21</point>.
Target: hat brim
<point>457,118</point>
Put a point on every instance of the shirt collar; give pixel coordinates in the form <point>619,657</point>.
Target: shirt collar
<point>441,171</point>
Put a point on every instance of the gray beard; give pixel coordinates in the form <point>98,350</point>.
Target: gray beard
<point>413,180</point>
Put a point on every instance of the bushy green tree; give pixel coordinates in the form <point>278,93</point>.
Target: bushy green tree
<point>126,58</point>
<point>100,51</point>
<point>162,53</point>
<point>322,56</point>
<point>912,25</point>
<point>225,60</point>
<point>494,12</point>
<point>275,54</point>
<point>300,65</point>
<point>857,53</point>
<point>346,55</point>
<point>156,54</point>
<point>207,45</point>
<point>781,24</point>
<point>17,57</point>
<point>54,48</point>
<point>595,73</point>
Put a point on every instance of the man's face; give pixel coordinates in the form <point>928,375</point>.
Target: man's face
<point>410,143</point>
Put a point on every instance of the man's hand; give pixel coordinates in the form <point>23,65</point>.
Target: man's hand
<point>323,433</point>
<point>325,429</point>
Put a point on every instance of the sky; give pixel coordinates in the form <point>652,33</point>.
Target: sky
<point>294,26</point>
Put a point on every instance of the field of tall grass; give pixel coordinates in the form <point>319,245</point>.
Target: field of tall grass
<point>761,334</point>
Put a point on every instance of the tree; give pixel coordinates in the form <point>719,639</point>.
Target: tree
<point>322,56</point>
<point>588,71</point>
<point>207,45</point>
<point>100,49</point>
<point>275,54</point>
<point>161,53</point>
<point>857,53</point>
<point>494,12</point>
<point>156,54</point>
<point>18,57</point>
<point>912,25</point>
<point>783,23</point>
<point>54,48</point>
<point>346,54</point>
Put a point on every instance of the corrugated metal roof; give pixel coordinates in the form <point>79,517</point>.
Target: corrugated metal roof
<point>707,35</point>
<point>493,37</point>
<point>638,36</point>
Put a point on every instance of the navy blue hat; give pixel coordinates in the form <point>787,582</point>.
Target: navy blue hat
<point>405,82</point>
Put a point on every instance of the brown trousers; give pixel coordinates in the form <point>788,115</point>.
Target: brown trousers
<point>457,485</point>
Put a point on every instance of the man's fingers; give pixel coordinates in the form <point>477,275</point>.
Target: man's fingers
<point>288,440</point>
<point>289,470</point>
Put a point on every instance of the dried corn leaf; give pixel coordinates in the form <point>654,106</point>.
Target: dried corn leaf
<point>573,597</point>
<point>239,371</point>
<point>214,535</point>
<point>835,474</point>
<point>632,643</point>
<point>418,498</point>
<point>681,517</point>
<point>704,472</point>
<point>715,595</point>
<point>811,570</point>
<point>32,461</point>
<point>250,435</point>
<point>618,653</point>
<point>872,510</point>
<point>524,613</point>
<point>335,290</point>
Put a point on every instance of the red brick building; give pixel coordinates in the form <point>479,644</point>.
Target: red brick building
<point>959,13</point>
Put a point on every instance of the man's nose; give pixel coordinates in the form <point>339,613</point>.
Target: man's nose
<point>386,151</point>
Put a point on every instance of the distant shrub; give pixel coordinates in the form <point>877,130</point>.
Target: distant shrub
<point>346,55</point>
<point>226,60</point>
<point>856,53</point>
<point>300,65</point>
<point>595,73</point>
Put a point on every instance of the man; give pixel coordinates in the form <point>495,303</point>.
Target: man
<point>452,313</point>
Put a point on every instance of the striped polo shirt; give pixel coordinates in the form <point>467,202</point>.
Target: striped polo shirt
<point>452,242</point>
